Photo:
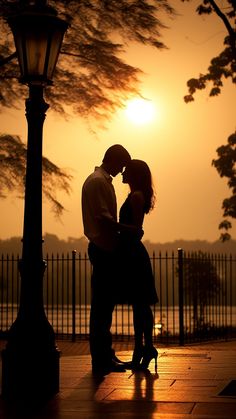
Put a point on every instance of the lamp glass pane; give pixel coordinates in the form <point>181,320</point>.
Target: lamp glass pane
<point>55,46</point>
<point>36,48</point>
<point>19,48</point>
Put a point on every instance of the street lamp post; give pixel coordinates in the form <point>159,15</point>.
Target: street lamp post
<point>30,361</point>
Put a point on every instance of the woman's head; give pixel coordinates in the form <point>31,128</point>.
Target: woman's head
<point>138,176</point>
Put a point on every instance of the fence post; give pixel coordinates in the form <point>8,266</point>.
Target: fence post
<point>181,296</point>
<point>73,296</point>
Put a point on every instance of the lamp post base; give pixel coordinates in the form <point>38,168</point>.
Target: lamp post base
<point>30,375</point>
<point>30,361</point>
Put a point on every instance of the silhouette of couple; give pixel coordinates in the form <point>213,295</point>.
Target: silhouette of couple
<point>121,267</point>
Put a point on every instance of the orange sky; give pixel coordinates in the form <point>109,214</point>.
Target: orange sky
<point>179,144</point>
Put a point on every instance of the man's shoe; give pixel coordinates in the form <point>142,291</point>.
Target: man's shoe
<point>102,370</point>
<point>117,360</point>
<point>116,367</point>
<point>129,365</point>
<point>126,364</point>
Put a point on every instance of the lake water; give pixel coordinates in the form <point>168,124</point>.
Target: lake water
<point>65,320</point>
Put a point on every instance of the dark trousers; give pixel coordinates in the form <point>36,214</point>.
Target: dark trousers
<point>102,305</point>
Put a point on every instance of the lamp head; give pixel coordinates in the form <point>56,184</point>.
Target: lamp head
<point>38,35</point>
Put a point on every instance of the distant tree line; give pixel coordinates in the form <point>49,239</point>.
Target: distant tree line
<point>53,244</point>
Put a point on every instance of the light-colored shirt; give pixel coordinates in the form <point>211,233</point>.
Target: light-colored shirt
<point>99,209</point>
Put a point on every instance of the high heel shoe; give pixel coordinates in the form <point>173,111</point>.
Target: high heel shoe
<point>149,354</point>
<point>136,359</point>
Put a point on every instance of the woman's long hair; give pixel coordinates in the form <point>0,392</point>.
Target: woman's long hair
<point>140,178</point>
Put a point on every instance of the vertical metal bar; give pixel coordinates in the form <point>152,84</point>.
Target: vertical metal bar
<point>80,294</point>
<point>173,292</point>
<point>167,294</point>
<point>130,314</point>
<point>68,288</point>
<point>181,305</point>
<point>226,296</point>
<point>46,291</point>
<point>62,294</point>
<point>18,283</point>
<point>12,288</point>
<point>52,289</point>
<point>57,289</point>
<point>2,306</point>
<point>73,296</point>
<point>7,291</point>
<point>160,296</point>
<point>86,261</point>
<point>230,290</point>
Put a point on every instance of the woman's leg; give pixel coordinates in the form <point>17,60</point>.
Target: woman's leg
<point>138,336</point>
<point>150,351</point>
<point>148,323</point>
<point>138,325</point>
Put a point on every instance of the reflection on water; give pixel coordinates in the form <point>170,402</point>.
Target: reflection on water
<point>67,319</point>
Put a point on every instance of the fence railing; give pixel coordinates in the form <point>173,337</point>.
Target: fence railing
<point>197,296</point>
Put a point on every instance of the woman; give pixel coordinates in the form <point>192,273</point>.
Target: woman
<point>139,289</point>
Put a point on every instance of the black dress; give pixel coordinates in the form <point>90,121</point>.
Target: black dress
<point>134,265</point>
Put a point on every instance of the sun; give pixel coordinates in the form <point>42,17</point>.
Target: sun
<point>140,111</point>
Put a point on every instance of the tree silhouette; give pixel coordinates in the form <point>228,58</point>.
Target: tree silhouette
<point>225,165</point>
<point>92,78</point>
<point>221,68</point>
<point>12,172</point>
<point>201,285</point>
<point>224,65</point>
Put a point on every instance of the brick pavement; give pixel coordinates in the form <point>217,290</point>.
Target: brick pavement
<point>190,384</point>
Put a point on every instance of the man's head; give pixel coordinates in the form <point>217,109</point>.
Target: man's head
<point>115,159</point>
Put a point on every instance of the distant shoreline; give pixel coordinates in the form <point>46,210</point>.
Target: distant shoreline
<point>52,244</point>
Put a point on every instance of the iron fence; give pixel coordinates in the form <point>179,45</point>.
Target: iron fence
<point>197,297</point>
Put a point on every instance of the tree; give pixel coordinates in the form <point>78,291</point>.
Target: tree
<point>221,68</point>
<point>224,65</point>
<point>225,165</point>
<point>201,286</point>
<point>12,172</point>
<point>92,78</point>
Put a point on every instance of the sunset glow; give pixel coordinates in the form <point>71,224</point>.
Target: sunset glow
<point>140,111</point>
<point>177,140</point>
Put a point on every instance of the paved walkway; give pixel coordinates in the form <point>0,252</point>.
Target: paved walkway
<point>191,384</point>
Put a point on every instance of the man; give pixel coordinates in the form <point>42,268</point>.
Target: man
<point>99,211</point>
